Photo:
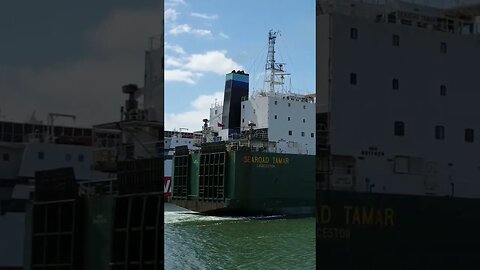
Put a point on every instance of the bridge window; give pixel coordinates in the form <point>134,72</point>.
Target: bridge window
<point>395,84</point>
<point>311,135</point>
<point>469,135</point>
<point>303,134</point>
<point>353,78</point>
<point>288,118</point>
<point>443,47</point>
<point>275,116</point>
<point>399,128</point>
<point>396,40</point>
<point>289,132</point>
<point>440,132</point>
<point>354,33</point>
<point>443,90</point>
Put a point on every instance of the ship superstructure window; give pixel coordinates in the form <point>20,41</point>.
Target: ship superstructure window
<point>443,90</point>
<point>395,84</point>
<point>353,78</point>
<point>399,128</point>
<point>469,135</point>
<point>289,132</point>
<point>289,104</point>
<point>288,118</point>
<point>81,158</point>
<point>354,33</point>
<point>68,157</point>
<point>41,155</point>
<point>275,116</point>
<point>311,135</point>
<point>6,157</point>
<point>303,120</point>
<point>440,132</point>
<point>303,134</point>
<point>243,120</point>
<point>396,40</point>
<point>443,47</point>
<point>276,102</point>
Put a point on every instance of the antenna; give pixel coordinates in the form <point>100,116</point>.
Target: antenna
<point>273,69</point>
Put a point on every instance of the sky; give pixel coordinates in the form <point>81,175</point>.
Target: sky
<point>72,57</point>
<point>205,40</point>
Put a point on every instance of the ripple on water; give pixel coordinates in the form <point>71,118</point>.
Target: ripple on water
<point>194,241</point>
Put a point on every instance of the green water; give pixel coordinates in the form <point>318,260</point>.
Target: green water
<point>201,242</point>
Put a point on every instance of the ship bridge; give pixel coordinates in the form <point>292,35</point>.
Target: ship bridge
<point>458,19</point>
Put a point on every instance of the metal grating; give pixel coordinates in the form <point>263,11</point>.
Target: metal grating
<point>55,243</point>
<point>212,176</point>
<point>180,174</point>
<point>55,184</point>
<point>137,241</point>
<point>140,176</point>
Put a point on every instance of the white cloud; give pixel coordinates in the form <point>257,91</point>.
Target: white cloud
<point>212,61</point>
<point>174,48</point>
<point>175,2</point>
<point>223,35</point>
<point>171,14</point>
<point>186,29</point>
<point>204,16</point>
<point>171,61</point>
<point>192,119</point>
<point>179,75</point>
<point>184,68</point>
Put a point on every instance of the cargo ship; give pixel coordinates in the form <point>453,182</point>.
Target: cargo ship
<point>258,150</point>
<point>113,218</point>
<point>397,136</point>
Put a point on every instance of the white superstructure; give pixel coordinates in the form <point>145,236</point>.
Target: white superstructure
<point>275,114</point>
<point>29,147</point>
<point>398,98</point>
<point>174,139</point>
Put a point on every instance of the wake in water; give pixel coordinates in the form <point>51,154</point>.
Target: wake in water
<point>194,241</point>
<point>175,214</point>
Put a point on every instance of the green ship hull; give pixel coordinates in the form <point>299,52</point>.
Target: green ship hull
<point>245,183</point>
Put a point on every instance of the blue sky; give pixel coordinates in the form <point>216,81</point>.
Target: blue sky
<point>206,39</point>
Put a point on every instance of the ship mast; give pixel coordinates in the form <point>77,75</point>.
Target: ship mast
<point>274,72</point>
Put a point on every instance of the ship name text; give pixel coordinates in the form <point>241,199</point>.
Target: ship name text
<point>359,215</point>
<point>264,160</point>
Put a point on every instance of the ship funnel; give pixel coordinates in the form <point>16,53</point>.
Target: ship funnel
<point>236,90</point>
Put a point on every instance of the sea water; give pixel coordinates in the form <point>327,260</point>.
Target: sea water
<point>194,241</point>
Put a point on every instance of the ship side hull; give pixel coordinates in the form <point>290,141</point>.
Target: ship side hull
<point>258,184</point>
<point>384,231</point>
